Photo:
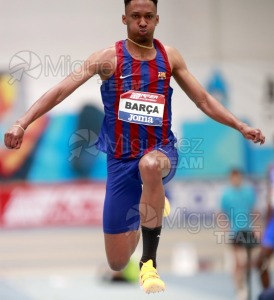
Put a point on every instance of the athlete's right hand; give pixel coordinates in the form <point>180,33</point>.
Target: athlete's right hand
<point>14,137</point>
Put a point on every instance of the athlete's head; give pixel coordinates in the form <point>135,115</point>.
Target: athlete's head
<point>128,1</point>
<point>141,19</point>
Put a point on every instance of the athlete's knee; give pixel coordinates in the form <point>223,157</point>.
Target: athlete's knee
<point>120,247</point>
<point>150,165</point>
<point>118,264</point>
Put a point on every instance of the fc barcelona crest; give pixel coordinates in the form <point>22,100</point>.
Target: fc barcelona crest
<point>162,75</point>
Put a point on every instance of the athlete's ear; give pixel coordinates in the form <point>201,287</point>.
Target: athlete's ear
<point>157,19</point>
<point>124,19</point>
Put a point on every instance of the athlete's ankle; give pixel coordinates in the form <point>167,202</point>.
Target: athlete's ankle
<point>151,238</point>
<point>144,260</point>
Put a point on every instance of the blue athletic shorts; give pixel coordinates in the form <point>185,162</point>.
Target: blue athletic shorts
<point>268,239</point>
<point>123,192</point>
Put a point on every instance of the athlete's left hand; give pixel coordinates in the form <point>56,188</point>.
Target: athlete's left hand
<point>252,134</point>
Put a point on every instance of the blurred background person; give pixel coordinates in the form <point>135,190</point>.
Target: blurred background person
<point>267,247</point>
<point>238,203</point>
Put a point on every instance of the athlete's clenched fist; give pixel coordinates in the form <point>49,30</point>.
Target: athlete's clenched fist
<point>14,137</point>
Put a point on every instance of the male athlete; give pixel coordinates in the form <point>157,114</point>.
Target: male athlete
<point>267,247</point>
<point>136,132</point>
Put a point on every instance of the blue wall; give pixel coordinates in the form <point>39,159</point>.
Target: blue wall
<point>220,149</point>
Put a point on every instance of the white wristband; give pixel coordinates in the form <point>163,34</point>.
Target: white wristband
<point>16,125</point>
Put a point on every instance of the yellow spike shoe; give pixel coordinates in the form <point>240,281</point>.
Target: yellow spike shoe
<point>150,280</point>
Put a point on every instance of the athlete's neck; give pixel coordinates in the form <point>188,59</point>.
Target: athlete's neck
<point>140,45</point>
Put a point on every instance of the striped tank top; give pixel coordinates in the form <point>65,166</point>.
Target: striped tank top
<point>137,105</point>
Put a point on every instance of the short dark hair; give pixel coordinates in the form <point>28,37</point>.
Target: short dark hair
<point>128,1</point>
<point>236,171</point>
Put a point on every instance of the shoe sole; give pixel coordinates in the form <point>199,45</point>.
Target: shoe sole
<point>153,288</point>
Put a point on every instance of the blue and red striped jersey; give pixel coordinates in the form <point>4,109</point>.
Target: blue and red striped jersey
<point>126,140</point>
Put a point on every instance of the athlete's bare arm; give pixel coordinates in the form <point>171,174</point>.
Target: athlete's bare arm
<point>102,63</point>
<point>208,104</point>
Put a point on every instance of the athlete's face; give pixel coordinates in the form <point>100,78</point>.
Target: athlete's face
<point>236,179</point>
<point>141,18</point>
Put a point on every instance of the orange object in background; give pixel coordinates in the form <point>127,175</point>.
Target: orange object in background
<point>12,160</point>
<point>8,94</point>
